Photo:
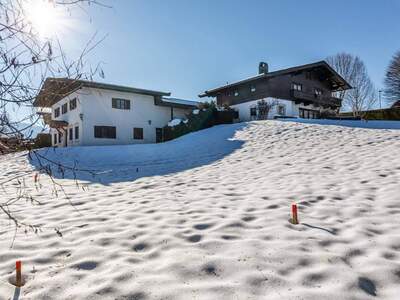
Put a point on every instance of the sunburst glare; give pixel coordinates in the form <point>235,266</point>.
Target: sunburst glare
<point>45,18</point>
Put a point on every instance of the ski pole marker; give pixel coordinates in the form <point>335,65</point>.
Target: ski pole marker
<point>18,269</point>
<point>295,219</point>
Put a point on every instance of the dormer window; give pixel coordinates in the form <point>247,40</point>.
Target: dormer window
<point>297,87</point>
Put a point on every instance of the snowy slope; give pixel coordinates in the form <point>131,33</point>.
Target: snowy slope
<point>206,217</point>
<point>371,124</point>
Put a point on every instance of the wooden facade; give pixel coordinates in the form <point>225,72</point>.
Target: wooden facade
<point>308,84</point>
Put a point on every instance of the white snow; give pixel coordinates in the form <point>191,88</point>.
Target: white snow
<point>196,111</point>
<point>206,217</point>
<point>372,124</point>
<point>174,122</point>
<point>180,101</point>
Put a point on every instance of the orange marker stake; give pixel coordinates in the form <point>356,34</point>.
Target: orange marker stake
<point>295,220</point>
<point>18,267</point>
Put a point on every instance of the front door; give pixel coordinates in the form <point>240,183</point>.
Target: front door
<point>65,139</point>
<point>159,135</point>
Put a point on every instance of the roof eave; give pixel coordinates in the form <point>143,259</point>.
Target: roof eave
<point>121,88</point>
<point>218,89</point>
<point>40,100</point>
<point>212,92</point>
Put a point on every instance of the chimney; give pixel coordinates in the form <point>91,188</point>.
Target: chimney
<point>262,68</point>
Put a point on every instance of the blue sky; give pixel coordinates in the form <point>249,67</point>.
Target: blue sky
<point>188,46</point>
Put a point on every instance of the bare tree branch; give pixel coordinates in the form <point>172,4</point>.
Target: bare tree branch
<point>392,80</point>
<point>363,95</point>
<point>26,60</point>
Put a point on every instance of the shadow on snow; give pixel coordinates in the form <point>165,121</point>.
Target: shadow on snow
<point>121,163</point>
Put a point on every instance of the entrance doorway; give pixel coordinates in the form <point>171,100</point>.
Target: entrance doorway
<point>159,135</point>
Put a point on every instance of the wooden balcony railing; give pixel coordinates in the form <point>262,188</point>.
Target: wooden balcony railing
<point>318,99</point>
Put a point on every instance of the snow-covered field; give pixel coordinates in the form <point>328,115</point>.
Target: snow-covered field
<point>206,217</point>
<point>372,124</point>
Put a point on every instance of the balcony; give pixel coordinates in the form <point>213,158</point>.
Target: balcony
<point>316,99</point>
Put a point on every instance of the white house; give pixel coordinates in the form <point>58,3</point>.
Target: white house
<point>92,113</point>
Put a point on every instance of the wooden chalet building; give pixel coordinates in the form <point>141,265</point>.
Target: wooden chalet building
<point>303,91</point>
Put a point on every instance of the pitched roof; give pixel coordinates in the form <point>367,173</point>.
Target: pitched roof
<point>55,89</point>
<point>339,81</point>
<point>183,102</point>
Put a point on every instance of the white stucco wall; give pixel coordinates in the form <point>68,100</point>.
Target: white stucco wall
<point>291,109</point>
<point>244,108</point>
<point>72,117</point>
<point>95,108</point>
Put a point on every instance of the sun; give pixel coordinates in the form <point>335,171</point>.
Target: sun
<point>43,16</point>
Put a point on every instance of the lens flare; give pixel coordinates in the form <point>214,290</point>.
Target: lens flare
<point>44,17</point>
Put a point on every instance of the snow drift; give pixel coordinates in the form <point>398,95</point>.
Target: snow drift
<point>207,218</point>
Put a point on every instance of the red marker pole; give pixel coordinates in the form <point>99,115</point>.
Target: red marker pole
<point>18,268</point>
<point>295,220</point>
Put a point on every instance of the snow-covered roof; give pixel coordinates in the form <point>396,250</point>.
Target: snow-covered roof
<point>180,101</point>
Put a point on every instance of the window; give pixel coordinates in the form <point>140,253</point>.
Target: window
<point>77,133</point>
<point>317,92</point>
<point>308,75</point>
<point>236,93</point>
<point>105,132</point>
<point>121,103</point>
<point>253,111</point>
<point>138,133</point>
<point>59,137</point>
<point>72,104</point>
<point>308,114</point>
<point>64,108</point>
<point>297,87</point>
<point>281,110</point>
<point>252,88</point>
<point>56,112</point>
<point>71,131</point>
<point>55,138</point>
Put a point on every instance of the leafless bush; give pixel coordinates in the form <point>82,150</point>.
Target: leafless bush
<point>264,107</point>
